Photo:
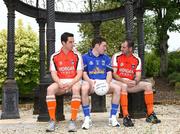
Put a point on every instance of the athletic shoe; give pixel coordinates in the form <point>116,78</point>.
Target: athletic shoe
<point>113,121</point>
<point>152,118</point>
<point>72,126</point>
<point>51,126</point>
<point>127,122</point>
<point>87,123</point>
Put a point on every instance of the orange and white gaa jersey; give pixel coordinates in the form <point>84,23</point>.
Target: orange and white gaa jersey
<point>126,66</point>
<point>66,65</point>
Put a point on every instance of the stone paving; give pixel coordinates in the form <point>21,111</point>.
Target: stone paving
<point>27,124</point>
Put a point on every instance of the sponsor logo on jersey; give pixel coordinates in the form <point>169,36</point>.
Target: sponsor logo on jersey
<point>97,71</point>
<point>68,68</point>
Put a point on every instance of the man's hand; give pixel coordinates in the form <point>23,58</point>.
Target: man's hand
<point>131,83</point>
<point>68,86</point>
<point>92,82</point>
<point>61,85</point>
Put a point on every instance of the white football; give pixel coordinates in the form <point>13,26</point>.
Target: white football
<point>101,87</point>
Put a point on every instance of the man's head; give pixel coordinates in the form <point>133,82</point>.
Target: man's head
<point>127,47</point>
<point>67,40</point>
<point>99,44</point>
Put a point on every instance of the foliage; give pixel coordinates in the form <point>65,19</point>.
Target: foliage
<point>177,87</point>
<point>166,13</point>
<point>174,62</point>
<point>26,57</point>
<point>113,31</point>
<point>173,78</point>
<point>150,31</point>
<point>3,56</point>
<point>152,64</point>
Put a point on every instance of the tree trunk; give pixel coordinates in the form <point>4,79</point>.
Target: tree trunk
<point>164,55</point>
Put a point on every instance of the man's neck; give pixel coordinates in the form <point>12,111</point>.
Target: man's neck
<point>65,50</point>
<point>95,53</point>
<point>128,54</point>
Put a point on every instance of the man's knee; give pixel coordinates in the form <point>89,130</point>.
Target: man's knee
<point>117,89</point>
<point>148,86</point>
<point>124,86</point>
<point>76,89</point>
<point>85,89</point>
<point>51,89</point>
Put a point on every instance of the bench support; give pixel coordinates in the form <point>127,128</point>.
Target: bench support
<point>98,103</point>
<point>136,105</point>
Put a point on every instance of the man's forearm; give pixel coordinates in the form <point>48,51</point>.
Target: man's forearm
<point>77,78</point>
<point>109,77</point>
<point>116,77</point>
<point>54,77</point>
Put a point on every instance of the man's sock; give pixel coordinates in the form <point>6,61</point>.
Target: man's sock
<point>148,96</point>
<point>75,104</point>
<point>124,103</point>
<point>51,105</point>
<point>86,110</point>
<point>114,108</point>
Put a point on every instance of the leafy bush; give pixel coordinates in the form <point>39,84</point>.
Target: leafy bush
<point>152,64</point>
<point>173,62</point>
<point>26,58</point>
<point>177,87</point>
<point>175,76</point>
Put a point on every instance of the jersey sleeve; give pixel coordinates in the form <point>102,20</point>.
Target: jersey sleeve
<point>114,61</point>
<point>139,65</point>
<point>85,63</point>
<point>80,62</point>
<point>108,64</point>
<point>52,66</point>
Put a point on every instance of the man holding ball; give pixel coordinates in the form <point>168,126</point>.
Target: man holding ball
<point>97,70</point>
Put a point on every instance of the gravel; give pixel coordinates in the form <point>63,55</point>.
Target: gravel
<point>27,124</point>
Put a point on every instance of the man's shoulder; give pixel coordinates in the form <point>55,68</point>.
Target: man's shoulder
<point>55,54</point>
<point>76,52</point>
<point>106,55</point>
<point>117,54</point>
<point>136,56</point>
<point>86,55</point>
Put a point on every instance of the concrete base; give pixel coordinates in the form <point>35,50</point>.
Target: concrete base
<point>10,100</point>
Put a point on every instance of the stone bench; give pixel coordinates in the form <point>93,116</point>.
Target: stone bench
<point>98,103</point>
<point>136,104</point>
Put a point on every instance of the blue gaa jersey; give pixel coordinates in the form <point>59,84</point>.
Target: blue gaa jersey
<point>96,67</point>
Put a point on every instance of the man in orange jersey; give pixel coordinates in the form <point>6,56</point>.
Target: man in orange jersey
<point>66,70</point>
<point>127,72</point>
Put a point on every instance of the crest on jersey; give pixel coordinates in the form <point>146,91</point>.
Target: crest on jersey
<point>97,62</point>
<point>133,66</point>
<point>90,63</point>
<point>72,62</point>
<point>60,63</point>
<point>121,64</point>
<point>103,62</point>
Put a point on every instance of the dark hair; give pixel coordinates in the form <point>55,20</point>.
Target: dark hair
<point>130,43</point>
<point>98,40</point>
<point>64,36</point>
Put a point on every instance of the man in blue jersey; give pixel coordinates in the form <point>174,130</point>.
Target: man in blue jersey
<point>97,66</point>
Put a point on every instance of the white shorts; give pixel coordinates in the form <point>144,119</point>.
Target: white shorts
<point>68,81</point>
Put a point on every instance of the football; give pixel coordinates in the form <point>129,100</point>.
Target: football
<point>101,87</point>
